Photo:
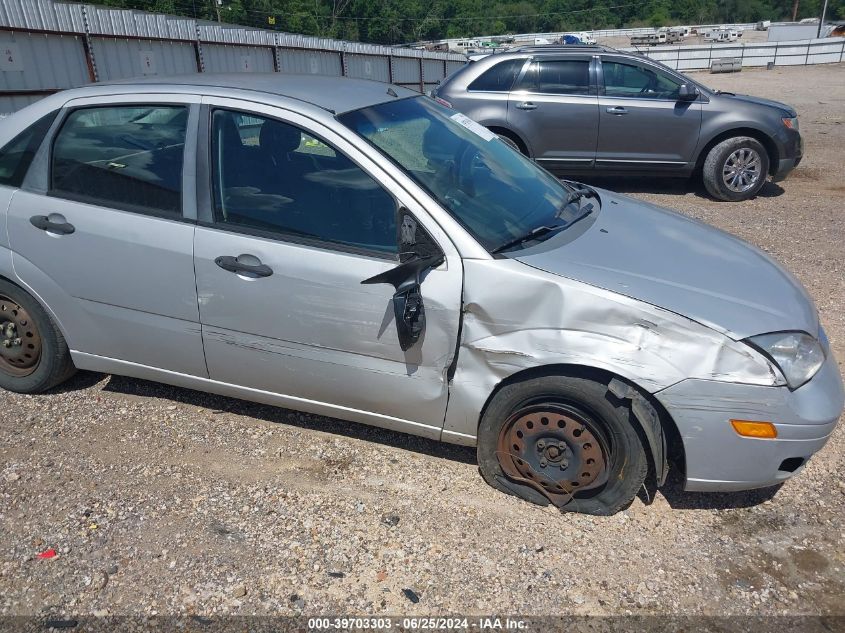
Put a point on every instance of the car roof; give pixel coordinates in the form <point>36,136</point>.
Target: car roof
<point>335,94</point>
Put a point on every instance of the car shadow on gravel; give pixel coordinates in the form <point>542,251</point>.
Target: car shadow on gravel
<point>135,388</point>
<point>678,499</point>
<point>668,186</point>
<point>79,381</point>
<point>672,490</point>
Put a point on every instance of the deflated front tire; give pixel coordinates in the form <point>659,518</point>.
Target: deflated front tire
<point>562,440</point>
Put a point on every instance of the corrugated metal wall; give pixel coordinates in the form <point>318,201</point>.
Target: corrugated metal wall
<point>368,67</point>
<point>35,61</point>
<point>120,58</point>
<point>229,58</point>
<point>79,43</point>
<point>310,62</point>
<point>406,72</point>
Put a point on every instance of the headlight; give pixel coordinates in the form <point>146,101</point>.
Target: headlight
<point>798,355</point>
<point>791,122</point>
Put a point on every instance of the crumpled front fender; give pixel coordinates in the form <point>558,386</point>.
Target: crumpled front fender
<point>516,317</point>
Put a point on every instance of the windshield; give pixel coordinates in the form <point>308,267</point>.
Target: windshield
<point>497,194</point>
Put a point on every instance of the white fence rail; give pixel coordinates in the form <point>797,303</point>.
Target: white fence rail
<point>608,32</point>
<point>829,50</point>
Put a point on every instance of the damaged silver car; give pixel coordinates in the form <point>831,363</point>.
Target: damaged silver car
<point>356,250</point>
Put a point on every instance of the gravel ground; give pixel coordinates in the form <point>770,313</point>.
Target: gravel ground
<point>160,500</point>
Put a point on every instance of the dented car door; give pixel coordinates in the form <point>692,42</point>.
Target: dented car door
<point>302,289</point>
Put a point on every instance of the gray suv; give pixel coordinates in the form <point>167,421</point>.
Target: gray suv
<point>596,109</point>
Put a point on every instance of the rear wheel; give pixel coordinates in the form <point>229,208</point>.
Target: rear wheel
<point>33,354</point>
<point>562,440</point>
<point>736,169</point>
<point>512,142</point>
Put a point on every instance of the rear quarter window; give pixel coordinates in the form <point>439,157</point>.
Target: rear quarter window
<point>17,155</point>
<point>499,78</point>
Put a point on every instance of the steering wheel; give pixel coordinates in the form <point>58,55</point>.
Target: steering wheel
<point>463,183</point>
<point>650,85</point>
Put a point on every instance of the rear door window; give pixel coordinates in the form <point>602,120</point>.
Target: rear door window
<point>499,78</point>
<point>127,157</point>
<point>558,77</point>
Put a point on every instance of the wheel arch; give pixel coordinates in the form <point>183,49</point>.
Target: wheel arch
<point>765,140</point>
<point>515,137</point>
<point>663,440</point>
<point>9,273</point>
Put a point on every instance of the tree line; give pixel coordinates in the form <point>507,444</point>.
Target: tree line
<point>403,21</point>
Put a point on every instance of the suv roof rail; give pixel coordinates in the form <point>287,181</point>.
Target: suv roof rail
<point>558,47</point>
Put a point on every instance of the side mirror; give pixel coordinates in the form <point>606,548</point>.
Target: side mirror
<point>688,93</point>
<point>418,253</point>
<point>408,308</point>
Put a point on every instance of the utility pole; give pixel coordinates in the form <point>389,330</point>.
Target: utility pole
<point>216,5</point>
<point>821,21</point>
<point>795,11</point>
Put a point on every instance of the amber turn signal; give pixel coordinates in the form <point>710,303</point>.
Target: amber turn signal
<point>747,428</point>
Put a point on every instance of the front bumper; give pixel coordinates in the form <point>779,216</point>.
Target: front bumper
<point>717,459</point>
<point>792,153</point>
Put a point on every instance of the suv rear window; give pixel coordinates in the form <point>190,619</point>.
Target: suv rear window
<point>499,78</point>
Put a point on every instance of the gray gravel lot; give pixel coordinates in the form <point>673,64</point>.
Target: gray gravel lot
<point>161,500</point>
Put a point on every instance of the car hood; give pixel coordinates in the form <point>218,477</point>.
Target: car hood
<point>677,263</point>
<point>760,101</point>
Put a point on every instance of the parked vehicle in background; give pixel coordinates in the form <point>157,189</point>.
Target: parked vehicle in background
<point>763,25</point>
<point>465,46</point>
<point>721,35</point>
<point>355,250</point>
<point>584,36</point>
<point>580,110</point>
<point>569,40</point>
<point>652,39</point>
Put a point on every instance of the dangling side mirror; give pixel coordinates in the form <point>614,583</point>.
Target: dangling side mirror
<point>418,253</point>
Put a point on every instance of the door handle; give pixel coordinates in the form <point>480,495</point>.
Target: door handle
<point>526,105</point>
<point>46,224</point>
<point>227,262</point>
<point>617,110</point>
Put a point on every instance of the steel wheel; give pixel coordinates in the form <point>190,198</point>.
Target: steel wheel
<point>20,341</point>
<point>742,170</point>
<point>553,449</point>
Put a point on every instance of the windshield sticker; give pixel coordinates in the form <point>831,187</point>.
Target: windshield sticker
<point>472,126</point>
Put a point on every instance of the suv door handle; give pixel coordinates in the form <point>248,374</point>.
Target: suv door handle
<point>526,105</point>
<point>617,110</point>
<point>227,262</point>
<point>61,227</point>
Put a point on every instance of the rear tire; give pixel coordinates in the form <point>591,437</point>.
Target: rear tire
<point>604,418</point>
<point>736,169</point>
<point>33,354</point>
<point>512,143</point>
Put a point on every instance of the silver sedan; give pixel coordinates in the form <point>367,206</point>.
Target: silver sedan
<point>356,250</point>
